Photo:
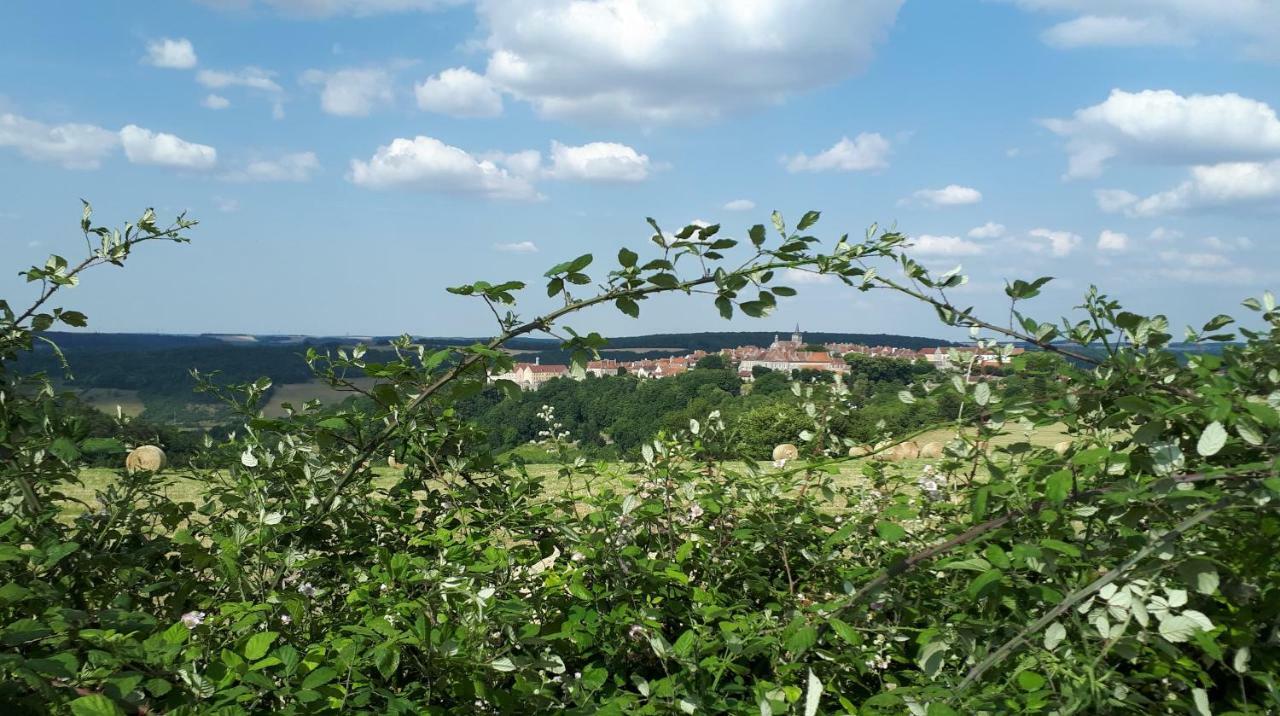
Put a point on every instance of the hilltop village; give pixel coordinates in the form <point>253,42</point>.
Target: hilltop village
<point>784,355</point>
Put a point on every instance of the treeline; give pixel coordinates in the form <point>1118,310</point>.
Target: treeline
<point>611,417</point>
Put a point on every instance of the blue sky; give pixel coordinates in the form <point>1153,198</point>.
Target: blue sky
<point>348,159</point>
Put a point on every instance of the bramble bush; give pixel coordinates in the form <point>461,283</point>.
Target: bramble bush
<point>1133,572</point>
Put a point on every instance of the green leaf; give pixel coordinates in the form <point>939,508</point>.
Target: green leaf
<point>64,449</point>
<point>1054,635</point>
<point>319,677</point>
<point>1030,681</point>
<point>1058,486</point>
<point>982,393</point>
<point>502,663</point>
<point>628,306</point>
<point>931,657</point>
<point>1212,439</point>
<point>809,219</point>
<point>95,705</point>
<point>1179,628</point>
<point>984,581</point>
<point>801,639</point>
<point>813,695</point>
<point>258,644</point>
<point>627,257</point>
<point>890,531</point>
<point>756,234</point>
<point>1201,699</point>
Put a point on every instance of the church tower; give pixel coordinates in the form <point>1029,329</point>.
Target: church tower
<point>797,337</point>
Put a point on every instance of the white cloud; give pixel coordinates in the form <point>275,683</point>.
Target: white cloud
<point>806,277</point>
<point>1193,259</point>
<point>598,161</point>
<point>1114,200</point>
<point>428,164</point>
<point>351,92</point>
<point>1238,243</point>
<point>1060,243</point>
<point>318,9</point>
<point>1251,24</point>
<point>1161,233</point>
<point>929,245</point>
<point>740,205</point>
<point>225,205</point>
<point>215,101</point>
<point>1114,31</point>
<point>297,167</point>
<point>518,247</point>
<point>250,77</point>
<point>176,54</point>
<point>142,146</point>
<point>989,230</point>
<point>950,195</point>
<point>74,146</point>
<point>864,152</point>
<point>1218,186</point>
<point>1160,126</point>
<point>1110,240</point>
<point>459,92</point>
<point>675,60</point>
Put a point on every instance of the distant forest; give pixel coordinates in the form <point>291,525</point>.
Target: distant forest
<point>158,365</point>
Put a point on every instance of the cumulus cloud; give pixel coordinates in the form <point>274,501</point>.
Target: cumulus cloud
<point>1059,243</point>
<point>1230,185</point>
<point>426,163</point>
<point>989,230</point>
<point>806,277</point>
<point>1238,243</point>
<point>249,77</point>
<point>598,161</point>
<point>930,245</point>
<point>176,54</point>
<point>351,92</point>
<point>1115,31</point>
<point>1251,24</point>
<point>1110,240</point>
<point>319,9</point>
<point>1114,200</point>
<point>740,205</point>
<point>215,101</point>
<point>1163,127</point>
<point>459,92</point>
<point>866,151</point>
<point>143,146</point>
<point>297,167</point>
<point>74,146</point>
<point>668,61</point>
<point>518,247</point>
<point>949,195</point>
<point>429,164</point>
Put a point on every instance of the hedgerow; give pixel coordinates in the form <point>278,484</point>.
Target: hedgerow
<point>1135,571</point>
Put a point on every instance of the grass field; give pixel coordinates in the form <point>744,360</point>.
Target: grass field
<point>184,488</point>
<point>106,400</point>
<point>297,394</point>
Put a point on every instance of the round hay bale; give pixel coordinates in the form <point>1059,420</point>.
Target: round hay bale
<point>785,452</point>
<point>145,458</point>
<point>1062,447</point>
<point>931,451</point>
<point>905,451</point>
<point>859,451</point>
<point>880,451</point>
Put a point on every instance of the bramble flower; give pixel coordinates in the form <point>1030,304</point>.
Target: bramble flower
<point>191,620</point>
<point>286,619</point>
<point>306,589</point>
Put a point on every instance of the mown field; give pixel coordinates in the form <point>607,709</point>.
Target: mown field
<point>181,487</point>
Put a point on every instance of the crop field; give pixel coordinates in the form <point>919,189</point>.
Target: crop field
<point>181,487</point>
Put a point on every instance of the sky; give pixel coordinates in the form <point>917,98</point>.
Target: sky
<point>349,159</point>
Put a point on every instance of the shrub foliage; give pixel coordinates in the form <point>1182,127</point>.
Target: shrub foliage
<point>1134,571</point>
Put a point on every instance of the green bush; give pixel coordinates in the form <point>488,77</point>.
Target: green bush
<point>1133,572</point>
